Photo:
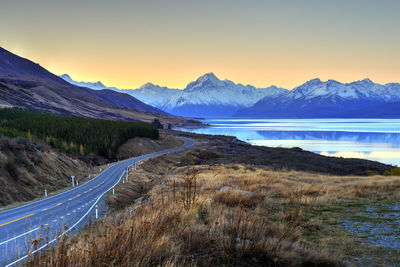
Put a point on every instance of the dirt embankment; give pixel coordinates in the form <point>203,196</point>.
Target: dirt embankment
<point>28,168</point>
<point>140,146</point>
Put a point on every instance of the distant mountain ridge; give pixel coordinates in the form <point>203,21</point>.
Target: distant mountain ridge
<point>95,86</point>
<point>318,99</point>
<point>208,96</point>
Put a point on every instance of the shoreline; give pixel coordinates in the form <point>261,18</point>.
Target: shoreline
<point>340,142</point>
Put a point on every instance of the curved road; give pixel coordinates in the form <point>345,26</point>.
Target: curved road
<point>57,215</point>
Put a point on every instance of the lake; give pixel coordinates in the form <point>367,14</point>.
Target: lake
<point>374,139</point>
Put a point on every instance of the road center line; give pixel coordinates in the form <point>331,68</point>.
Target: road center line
<point>26,216</point>
<point>96,200</point>
<point>74,197</point>
<point>52,206</point>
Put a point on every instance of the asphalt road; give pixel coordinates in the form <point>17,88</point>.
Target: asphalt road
<point>54,216</point>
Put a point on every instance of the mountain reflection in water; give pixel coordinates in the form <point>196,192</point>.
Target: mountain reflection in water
<point>374,139</point>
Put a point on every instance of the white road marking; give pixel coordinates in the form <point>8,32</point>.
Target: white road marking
<point>15,237</point>
<point>69,229</point>
<point>95,201</point>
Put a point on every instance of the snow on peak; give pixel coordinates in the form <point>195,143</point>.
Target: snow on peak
<point>99,84</point>
<point>364,82</point>
<point>148,86</point>
<point>95,86</point>
<point>66,77</point>
<point>363,89</point>
<point>207,81</point>
<point>208,76</point>
<point>367,81</point>
<point>314,81</point>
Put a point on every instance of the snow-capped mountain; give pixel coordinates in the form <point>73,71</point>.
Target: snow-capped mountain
<point>206,97</point>
<point>316,98</point>
<point>95,86</point>
<point>210,97</point>
<point>208,89</point>
<point>154,95</point>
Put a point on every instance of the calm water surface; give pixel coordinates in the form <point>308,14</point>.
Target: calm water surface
<point>374,139</point>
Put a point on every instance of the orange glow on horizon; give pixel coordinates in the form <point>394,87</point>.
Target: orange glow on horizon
<point>262,43</point>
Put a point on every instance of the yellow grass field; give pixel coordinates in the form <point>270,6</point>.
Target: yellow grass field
<point>280,218</point>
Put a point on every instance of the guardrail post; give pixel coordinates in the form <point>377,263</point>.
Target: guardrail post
<point>45,193</point>
<point>97,212</point>
<point>73,182</point>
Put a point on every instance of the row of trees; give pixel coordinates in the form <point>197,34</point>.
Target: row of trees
<point>74,134</point>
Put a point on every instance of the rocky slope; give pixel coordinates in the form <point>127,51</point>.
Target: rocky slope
<point>28,168</point>
<point>27,85</point>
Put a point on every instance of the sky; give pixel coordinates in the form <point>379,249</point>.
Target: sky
<point>126,43</point>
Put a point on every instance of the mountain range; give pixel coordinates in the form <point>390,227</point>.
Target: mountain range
<point>207,96</point>
<point>95,86</point>
<point>210,97</point>
<point>26,84</point>
<point>330,99</point>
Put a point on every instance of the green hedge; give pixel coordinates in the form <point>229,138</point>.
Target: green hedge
<point>73,134</point>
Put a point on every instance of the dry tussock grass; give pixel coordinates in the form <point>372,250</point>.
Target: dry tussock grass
<point>188,221</point>
<point>301,187</point>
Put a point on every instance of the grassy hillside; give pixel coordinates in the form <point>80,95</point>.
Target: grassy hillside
<point>178,216</point>
<point>28,168</point>
<point>74,135</point>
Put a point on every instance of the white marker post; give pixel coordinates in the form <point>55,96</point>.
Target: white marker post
<point>113,190</point>
<point>97,212</point>
<point>73,183</point>
<point>77,182</point>
<point>89,175</point>
<point>126,176</point>
<point>45,193</point>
